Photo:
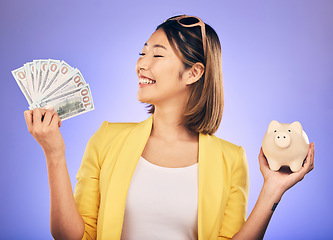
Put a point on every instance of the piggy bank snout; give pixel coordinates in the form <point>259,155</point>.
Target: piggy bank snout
<point>282,139</point>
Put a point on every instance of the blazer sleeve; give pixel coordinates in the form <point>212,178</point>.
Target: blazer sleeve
<point>87,194</point>
<point>236,209</point>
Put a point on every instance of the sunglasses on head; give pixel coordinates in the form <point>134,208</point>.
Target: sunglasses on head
<point>192,21</point>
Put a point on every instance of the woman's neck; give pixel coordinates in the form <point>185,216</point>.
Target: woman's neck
<point>167,125</point>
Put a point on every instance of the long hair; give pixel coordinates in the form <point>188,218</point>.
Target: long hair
<point>203,112</point>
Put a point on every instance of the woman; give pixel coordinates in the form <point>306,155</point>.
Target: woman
<point>167,177</point>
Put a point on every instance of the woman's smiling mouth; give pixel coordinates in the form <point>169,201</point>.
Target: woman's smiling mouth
<point>145,81</point>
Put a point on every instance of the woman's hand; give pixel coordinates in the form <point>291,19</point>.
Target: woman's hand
<point>43,124</point>
<point>284,179</point>
<point>275,185</point>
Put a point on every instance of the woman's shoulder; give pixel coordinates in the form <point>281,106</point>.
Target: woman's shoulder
<point>227,145</point>
<point>113,128</point>
<point>109,132</point>
<point>230,150</point>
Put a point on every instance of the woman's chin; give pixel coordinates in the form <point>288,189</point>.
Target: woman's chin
<point>143,99</point>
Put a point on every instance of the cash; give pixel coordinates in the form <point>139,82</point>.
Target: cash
<point>54,84</point>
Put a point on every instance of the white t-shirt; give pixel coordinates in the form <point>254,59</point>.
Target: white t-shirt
<point>162,203</point>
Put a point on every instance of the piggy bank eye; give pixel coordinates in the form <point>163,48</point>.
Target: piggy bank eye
<point>274,130</point>
<point>289,130</point>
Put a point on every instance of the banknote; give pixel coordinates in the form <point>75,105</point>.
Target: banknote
<point>51,73</point>
<point>36,70</point>
<point>21,80</point>
<point>29,69</point>
<point>53,83</point>
<point>67,82</point>
<point>42,72</point>
<point>71,103</point>
<point>60,78</point>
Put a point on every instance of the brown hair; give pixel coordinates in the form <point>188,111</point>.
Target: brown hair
<point>203,113</point>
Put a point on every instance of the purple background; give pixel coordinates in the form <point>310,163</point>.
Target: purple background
<point>277,64</point>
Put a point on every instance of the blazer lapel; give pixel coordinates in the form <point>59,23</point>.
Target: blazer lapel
<point>210,186</point>
<point>120,181</point>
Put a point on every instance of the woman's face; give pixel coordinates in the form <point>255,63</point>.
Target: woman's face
<point>162,80</point>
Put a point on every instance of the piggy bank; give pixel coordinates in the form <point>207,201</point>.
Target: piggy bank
<point>285,145</point>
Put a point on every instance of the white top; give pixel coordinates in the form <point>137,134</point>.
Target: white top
<point>162,203</point>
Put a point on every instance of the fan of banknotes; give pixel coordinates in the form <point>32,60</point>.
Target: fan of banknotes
<point>54,84</point>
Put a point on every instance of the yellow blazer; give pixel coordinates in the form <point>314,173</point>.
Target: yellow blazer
<point>109,162</point>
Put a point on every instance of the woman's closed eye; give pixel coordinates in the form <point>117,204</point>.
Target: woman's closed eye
<point>156,56</point>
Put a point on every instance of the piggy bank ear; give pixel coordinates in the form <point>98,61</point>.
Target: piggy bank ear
<point>274,125</point>
<point>297,127</point>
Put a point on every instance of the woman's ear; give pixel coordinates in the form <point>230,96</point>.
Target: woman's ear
<point>195,73</point>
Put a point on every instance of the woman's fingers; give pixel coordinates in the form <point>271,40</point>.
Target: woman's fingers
<point>37,117</point>
<point>263,161</point>
<point>55,121</point>
<point>308,165</point>
<point>310,157</point>
<point>28,119</point>
<point>46,131</point>
<point>59,120</point>
<point>48,117</point>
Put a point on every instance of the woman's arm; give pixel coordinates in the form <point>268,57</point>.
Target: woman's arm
<point>275,185</point>
<point>65,220</point>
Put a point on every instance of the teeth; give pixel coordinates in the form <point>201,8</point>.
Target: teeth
<point>146,81</point>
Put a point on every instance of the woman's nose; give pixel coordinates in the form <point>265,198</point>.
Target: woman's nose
<point>142,64</point>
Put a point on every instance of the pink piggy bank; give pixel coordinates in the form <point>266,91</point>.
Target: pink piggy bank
<point>285,145</point>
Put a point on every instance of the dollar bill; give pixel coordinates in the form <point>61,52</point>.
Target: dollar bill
<point>36,70</point>
<point>51,74</point>
<point>29,69</point>
<point>21,80</point>
<point>65,83</point>
<point>69,104</point>
<point>64,72</point>
<point>42,72</point>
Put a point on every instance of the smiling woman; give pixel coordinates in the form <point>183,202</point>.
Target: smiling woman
<point>168,177</point>
<point>181,40</point>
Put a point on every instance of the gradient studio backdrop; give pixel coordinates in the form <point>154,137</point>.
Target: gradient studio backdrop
<point>277,64</point>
